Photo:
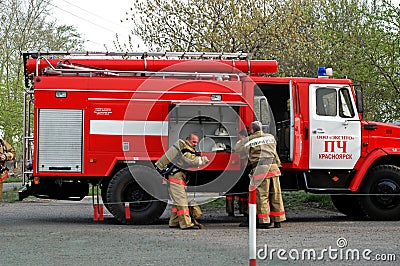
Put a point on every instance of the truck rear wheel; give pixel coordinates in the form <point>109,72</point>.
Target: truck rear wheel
<point>382,193</point>
<point>123,188</point>
<point>348,205</point>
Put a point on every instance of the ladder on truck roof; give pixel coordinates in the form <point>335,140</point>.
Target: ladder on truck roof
<point>181,65</point>
<point>67,67</point>
<point>181,55</point>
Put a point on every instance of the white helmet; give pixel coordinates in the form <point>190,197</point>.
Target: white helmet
<point>218,147</point>
<point>221,131</point>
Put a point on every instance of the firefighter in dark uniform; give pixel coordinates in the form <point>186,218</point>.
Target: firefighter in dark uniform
<point>7,153</point>
<point>242,198</point>
<point>264,174</point>
<point>183,156</point>
<point>242,201</point>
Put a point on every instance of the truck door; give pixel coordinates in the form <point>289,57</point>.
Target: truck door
<point>263,113</point>
<point>296,136</point>
<point>335,129</point>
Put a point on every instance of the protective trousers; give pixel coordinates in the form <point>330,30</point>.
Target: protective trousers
<point>242,202</point>
<point>180,214</point>
<point>269,196</point>
<point>230,205</point>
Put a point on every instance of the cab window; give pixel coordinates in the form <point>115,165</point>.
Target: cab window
<point>345,107</point>
<point>326,102</point>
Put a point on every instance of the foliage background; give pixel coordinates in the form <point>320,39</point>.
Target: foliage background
<point>25,26</point>
<point>359,39</point>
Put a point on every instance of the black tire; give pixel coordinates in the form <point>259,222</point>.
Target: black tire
<point>380,191</point>
<point>348,205</point>
<point>124,188</point>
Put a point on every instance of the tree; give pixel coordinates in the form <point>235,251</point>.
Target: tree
<point>364,45</point>
<point>276,29</point>
<point>359,39</point>
<point>25,26</point>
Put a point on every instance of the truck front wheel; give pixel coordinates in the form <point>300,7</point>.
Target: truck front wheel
<point>380,193</point>
<point>123,188</point>
<point>348,205</point>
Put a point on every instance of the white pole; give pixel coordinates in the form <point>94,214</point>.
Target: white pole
<point>252,226</point>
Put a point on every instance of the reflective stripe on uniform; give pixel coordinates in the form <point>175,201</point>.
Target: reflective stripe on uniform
<point>182,212</point>
<point>4,177</point>
<point>263,215</point>
<point>273,173</point>
<point>177,181</point>
<point>174,210</point>
<point>277,213</point>
<point>260,141</point>
<point>229,198</point>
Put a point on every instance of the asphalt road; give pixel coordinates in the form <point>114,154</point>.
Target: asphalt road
<point>43,232</point>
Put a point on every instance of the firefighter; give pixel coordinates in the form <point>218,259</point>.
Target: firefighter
<point>7,153</point>
<point>230,205</point>
<point>241,198</point>
<point>242,201</point>
<point>178,158</point>
<point>264,164</point>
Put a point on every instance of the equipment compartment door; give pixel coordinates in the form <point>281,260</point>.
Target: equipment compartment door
<point>335,129</point>
<point>60,140</point>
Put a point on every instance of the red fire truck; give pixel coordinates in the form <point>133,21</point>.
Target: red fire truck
<point>105,118</point>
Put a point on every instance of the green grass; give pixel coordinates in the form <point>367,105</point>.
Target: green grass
<point>10,195</point>
<point>301,198</point>
<point>95,190</point>
<point>219,202</point>
<point>13,180</point>
<point>292,199</point>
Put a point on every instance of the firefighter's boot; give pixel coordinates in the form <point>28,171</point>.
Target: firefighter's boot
<point>263,226</point>
<point>245,223</point>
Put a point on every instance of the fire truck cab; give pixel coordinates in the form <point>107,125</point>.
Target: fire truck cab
<point>104,119</point>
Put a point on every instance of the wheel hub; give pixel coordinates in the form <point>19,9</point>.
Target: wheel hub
<point>387,194</point>
<point>138,198</point>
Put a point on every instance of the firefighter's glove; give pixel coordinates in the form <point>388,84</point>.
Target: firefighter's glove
<point>203,160</point>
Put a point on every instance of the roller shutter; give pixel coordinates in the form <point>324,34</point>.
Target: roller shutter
<point>60,140</point>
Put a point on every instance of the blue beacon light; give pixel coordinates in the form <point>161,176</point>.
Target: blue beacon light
<point>321,71</point>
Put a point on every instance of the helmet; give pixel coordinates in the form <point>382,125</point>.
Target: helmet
<point>221,131</point>
<point>218,147</point>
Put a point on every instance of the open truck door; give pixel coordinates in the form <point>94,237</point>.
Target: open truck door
<point>296,135</point>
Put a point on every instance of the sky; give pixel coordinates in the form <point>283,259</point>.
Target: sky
<point>98,21</point>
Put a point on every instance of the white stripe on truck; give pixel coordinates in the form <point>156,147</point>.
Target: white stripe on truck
<point>120,127</point>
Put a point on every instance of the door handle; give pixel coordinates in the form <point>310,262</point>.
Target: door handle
<point>318,131</point>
